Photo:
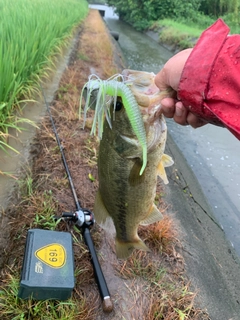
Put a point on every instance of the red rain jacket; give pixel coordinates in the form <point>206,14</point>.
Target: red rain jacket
<point>210,81</point>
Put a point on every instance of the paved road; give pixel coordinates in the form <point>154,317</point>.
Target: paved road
<point>212,265</point>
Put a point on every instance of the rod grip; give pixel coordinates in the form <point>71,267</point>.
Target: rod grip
<point>101,282</point>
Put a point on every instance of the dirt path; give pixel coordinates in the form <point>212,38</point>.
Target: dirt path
<point>147,285</point>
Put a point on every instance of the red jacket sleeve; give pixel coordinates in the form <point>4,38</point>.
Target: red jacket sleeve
<point>210,81</point>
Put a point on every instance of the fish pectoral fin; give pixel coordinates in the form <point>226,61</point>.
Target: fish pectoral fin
<point>134,178</point>
<point>154,216</point>
<point>125,249</point>
<point>100,212</point>
<point>162,173</point>
<point>166,161</point>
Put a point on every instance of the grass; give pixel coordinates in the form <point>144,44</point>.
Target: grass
<point>176,34</point>
<point>192,31</point>
<point>11,307</point>
<point>167,298</point>
<point>32,32</point>
<point>161,237</point>
<point>185,33</point>
<point>97,2</point>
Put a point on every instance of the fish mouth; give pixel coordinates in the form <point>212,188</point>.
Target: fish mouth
<point>148,97</point>
<point>143,87</point>
<point>146,93</point>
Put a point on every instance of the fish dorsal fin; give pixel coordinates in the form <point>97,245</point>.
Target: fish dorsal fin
<point>166,161</point>
<point>154,216</point>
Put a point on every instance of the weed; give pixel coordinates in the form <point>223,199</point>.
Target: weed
<point>12,307</point>
<point>160,236</point>
<point>64,88</point>
<point>45,208</point>
<point>25,184</point>
<point>91,151</point>
<point>167,298</point>
<point>3,143</point>
<point>83,57</point>
<point>91,177</point>
<point>9,174</point>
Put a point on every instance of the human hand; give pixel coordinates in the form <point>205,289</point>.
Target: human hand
<point>169,78</point>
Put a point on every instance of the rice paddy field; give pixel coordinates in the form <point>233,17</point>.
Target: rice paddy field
<point>31,34</point>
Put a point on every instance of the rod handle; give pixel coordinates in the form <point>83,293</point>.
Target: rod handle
<point>101,282</point>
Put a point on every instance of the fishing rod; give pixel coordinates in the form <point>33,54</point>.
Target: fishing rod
<point>83,220</point>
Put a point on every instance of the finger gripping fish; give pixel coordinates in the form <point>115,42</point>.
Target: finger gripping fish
<point>114,88</point>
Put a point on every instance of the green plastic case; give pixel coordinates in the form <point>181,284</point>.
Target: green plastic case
<point>48,266</point>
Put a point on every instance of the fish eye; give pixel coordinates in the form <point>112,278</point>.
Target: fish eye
<point>118,106</point>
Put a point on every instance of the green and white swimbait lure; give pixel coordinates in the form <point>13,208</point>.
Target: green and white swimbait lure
<point>114,87</point>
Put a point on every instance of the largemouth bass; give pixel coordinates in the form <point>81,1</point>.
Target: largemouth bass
<point>127,189</point>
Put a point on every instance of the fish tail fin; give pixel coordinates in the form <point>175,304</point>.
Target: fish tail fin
<point>125,249</point>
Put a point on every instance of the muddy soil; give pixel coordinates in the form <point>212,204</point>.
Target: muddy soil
<point>130,295</point>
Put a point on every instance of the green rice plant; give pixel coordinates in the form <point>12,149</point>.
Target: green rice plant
<point>31,34</point>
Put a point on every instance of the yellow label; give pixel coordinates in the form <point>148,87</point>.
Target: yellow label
<point>54,255</point>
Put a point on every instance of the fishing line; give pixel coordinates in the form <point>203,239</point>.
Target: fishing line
<point>78,205</point>
<point>83,219</point>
